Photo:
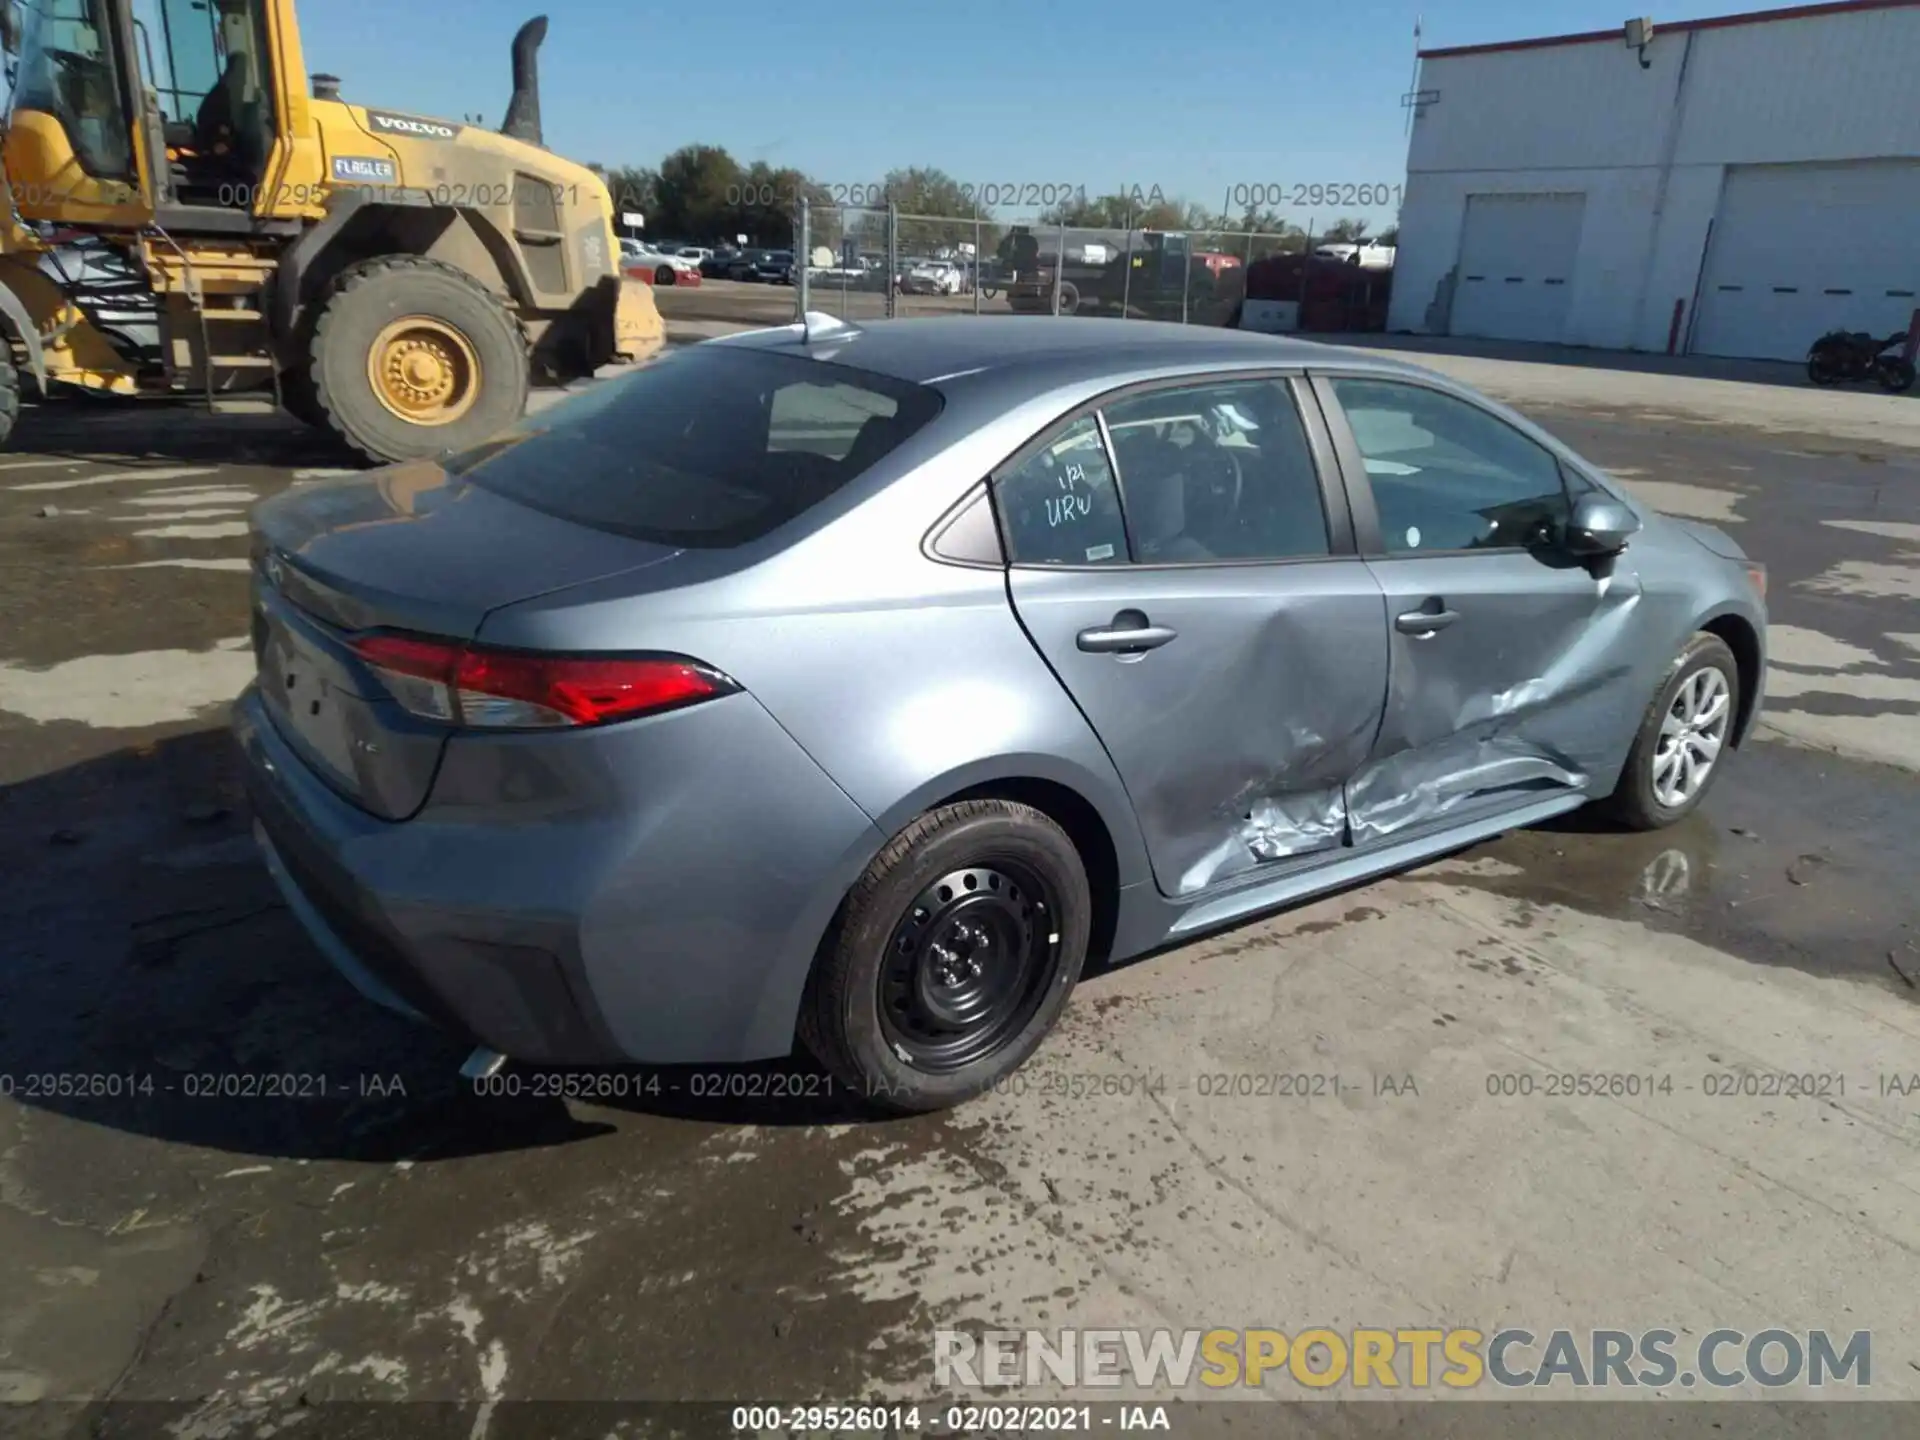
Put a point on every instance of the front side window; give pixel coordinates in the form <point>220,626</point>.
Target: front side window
<point>1446,475</point>
<point>708,448</point>
<point>1218,472</point>
<point>68,69</point>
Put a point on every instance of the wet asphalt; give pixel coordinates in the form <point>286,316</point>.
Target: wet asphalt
<point>190,1251</point>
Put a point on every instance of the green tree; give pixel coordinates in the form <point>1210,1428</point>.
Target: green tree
<point>697,190</point>
<point>1142,211</point>
<point>924,196</point>
<point>634,189</point>
<point>1344,232</point>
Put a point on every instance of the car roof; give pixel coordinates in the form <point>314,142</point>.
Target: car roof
<point>945,348</point>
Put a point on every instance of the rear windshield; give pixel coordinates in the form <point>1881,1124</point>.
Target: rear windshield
<point>707,447</point>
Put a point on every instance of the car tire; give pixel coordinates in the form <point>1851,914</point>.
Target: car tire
<point>663,275</point>
<point>1640,801</point>
<point>988,884</point>
<point>379,302</point>
<point>1069,298</point>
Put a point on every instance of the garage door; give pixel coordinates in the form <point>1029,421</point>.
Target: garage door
<point>1797,250</point>
<point>1516,266</point>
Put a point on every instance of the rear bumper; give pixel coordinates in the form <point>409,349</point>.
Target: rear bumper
<point>651,892</point>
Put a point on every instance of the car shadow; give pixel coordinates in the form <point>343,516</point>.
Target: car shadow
<point>157,984</point>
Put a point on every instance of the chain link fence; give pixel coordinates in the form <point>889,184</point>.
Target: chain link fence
<point>873,263</point>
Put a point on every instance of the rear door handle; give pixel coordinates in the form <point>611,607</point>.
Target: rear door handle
<point>1425,622</point>
<point>1128,633</point>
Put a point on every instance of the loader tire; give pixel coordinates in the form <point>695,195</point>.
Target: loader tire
<point>299,398</point>
<point>9,395</point>
<point>413,359</point>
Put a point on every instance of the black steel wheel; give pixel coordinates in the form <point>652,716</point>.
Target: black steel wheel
<point>952,958</point>
<point>968,964</point>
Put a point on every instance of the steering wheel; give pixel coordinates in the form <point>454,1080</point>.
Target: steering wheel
<point>1218,470</point>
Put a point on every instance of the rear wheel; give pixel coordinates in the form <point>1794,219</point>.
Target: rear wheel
<point>412,358</point>
<point>1682,739</point>
<point>1069,298</point>
<point>954,956</point>
<point>1822,369</point>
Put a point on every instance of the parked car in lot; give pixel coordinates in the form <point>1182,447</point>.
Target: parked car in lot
<point>719,265</point>
<point>1370,254</point>
<point>640,259</point>
<point>600,742</point>
<point>751,265</point>
<point>934,277</point>
<point>774,267</point>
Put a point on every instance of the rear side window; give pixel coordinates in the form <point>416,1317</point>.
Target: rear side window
<point>710,447</point>
<point>1059,505</point>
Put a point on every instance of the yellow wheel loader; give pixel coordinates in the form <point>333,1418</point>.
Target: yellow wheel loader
<point>185,217</point>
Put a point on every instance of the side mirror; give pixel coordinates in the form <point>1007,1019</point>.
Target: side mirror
<point>1600,526</point>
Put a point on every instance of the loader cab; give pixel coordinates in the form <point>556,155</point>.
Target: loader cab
<point>207,71</point>
<point>154,104</point>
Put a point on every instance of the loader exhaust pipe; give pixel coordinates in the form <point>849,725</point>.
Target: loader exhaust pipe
<point>523,110</point>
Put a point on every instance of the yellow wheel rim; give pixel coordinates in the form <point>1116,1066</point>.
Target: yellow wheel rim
<point>424,371</point>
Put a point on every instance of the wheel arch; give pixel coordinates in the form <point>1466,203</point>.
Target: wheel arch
<point>1110,846</point>
<point>1749,655</point>
<point>358,228</point>
<point>19,327</point>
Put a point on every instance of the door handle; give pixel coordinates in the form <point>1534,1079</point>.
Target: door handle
<point>1425,622</point>
<point>1128,633</point>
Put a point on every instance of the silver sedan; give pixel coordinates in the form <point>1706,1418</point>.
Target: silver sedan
<point>852,688</point>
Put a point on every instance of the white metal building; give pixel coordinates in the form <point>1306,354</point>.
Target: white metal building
<point>1736,187</point>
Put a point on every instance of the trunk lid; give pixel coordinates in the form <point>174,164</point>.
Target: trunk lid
<point>405,548</point>
<point>412,547</point>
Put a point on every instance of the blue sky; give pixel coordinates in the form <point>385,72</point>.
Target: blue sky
<point>1193,98</point>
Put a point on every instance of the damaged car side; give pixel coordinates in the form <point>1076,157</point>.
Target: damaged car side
<point>854,687</point>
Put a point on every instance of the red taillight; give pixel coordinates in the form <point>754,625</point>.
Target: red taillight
<point>517,689</point>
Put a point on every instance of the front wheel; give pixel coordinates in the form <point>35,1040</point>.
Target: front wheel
<point>954,956</point>
<point>1682,739</point>
<point>1896,375</point>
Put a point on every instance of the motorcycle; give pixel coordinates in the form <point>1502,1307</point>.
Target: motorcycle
<point>1842,355</point>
